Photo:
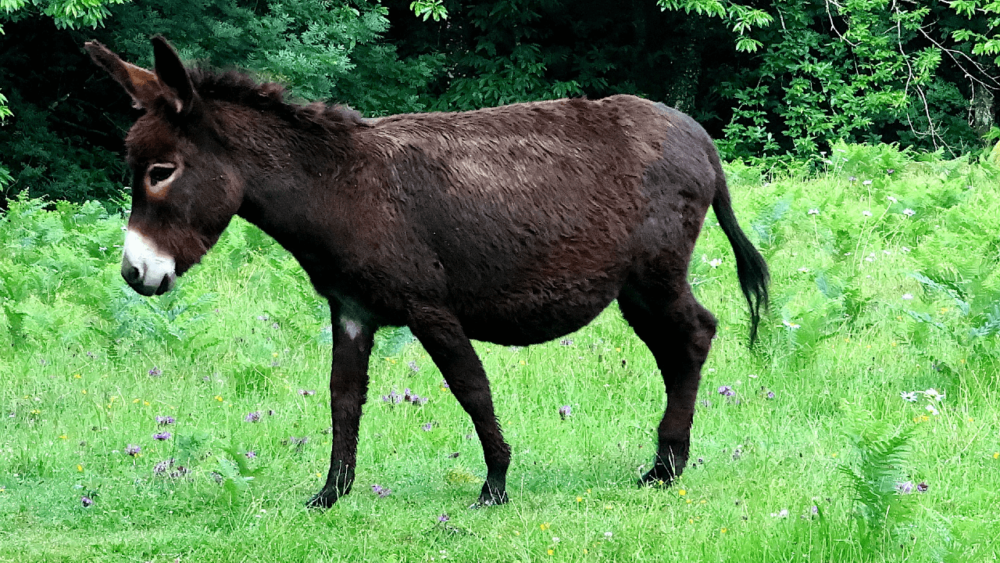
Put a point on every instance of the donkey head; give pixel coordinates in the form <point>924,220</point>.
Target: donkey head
<point>184,192</point>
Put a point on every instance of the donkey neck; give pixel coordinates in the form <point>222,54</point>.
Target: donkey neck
<point>287,170</point>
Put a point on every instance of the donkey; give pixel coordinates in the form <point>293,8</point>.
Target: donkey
<point>513,225</point>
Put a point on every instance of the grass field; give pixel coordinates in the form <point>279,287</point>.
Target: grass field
<point>884,283</point>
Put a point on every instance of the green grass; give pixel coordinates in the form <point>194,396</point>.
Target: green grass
<point>840,345</point>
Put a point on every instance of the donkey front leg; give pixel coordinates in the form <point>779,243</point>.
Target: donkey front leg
<point>352,345</point>
<point>441,334</point>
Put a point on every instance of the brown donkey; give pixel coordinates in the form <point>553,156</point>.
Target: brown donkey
<point>513,225</point>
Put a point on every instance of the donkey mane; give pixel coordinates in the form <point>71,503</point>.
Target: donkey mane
<point>237,87</point>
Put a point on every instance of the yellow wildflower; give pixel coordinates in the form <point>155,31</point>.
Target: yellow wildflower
<point>682,492</point>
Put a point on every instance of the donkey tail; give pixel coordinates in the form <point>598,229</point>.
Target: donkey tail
<point>750,265</point>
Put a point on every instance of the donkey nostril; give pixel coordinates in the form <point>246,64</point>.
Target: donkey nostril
<point>130,273</point>
<point>165,285</point>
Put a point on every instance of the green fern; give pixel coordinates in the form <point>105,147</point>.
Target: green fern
<point>873,479</point>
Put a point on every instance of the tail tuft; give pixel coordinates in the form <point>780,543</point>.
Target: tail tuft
<point>750,265</point>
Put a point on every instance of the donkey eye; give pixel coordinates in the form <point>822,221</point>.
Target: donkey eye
<point>160,172</point>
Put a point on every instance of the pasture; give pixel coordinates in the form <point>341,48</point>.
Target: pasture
<point>863,426</point>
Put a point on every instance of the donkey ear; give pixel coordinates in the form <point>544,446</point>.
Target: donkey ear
<point>140,83</point>
<point>171,72</point>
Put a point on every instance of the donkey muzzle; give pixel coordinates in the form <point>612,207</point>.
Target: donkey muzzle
<point>146,270</point>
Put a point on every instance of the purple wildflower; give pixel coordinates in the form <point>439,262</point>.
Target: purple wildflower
<point>132,450</point>
<point>427,427</point>
<point>297,441</point>
<point>253,417</point>
<point>443,518</point>
<point>381,491</point>
<point>417,400</point>
<point>770,394</point>
<point>922,487</point>
<point>164,420</point>
<point>904,488</point>
<point>726,391</point>
<point>162,467</point>
<point>155,372</point>
<point>306,392</point>
<point>889,171</point>
<point>444,385</point>
<point>251,454</point>
<point>162,436</point>
<point>87,501</point>
<point>407,396</point>
<point>414,366</point>
<point>392,398</point>
<point>565,411</point>
<point>566,342</point>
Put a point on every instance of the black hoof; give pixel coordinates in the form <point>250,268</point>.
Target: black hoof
<point>491,496</point>
<point>323,499</point>
<point>658,476</point>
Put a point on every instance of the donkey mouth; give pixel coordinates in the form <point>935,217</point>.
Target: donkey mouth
<point>145,269</point>
<point>135,281</point>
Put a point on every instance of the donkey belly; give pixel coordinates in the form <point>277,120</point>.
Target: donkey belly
<point>532,315</point>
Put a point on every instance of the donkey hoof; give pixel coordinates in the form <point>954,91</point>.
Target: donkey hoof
<point>657,477</point>
<point>323,499</point>
<point>491,498</point>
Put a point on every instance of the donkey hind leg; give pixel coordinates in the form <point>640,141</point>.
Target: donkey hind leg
<point>441,334</point>
<point>352,345</point>
<point>678,331</point>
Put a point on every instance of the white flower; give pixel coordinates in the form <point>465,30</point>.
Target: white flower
<point>909,212</point>
<point>783,513</point>
<point>866,213</point>
<point>867,182</point>
<point>892,199</point>
<point>803,270</point>
<point>555,539</point>
<point>907,296</point>
<point>910,396</point>
<point>715,262</point>
<point>905,249</point>
<point>814,212</point>
<point>932,410</point>
<point>933,394</point>
<point>792,326</point>
<point>608,534</point>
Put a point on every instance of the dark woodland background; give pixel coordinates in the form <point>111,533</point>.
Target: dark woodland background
<point>770,80</point>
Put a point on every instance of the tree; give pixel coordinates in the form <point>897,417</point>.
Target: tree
<point>64,14</point>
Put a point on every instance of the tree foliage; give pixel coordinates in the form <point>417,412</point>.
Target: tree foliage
<point>767,78</point>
